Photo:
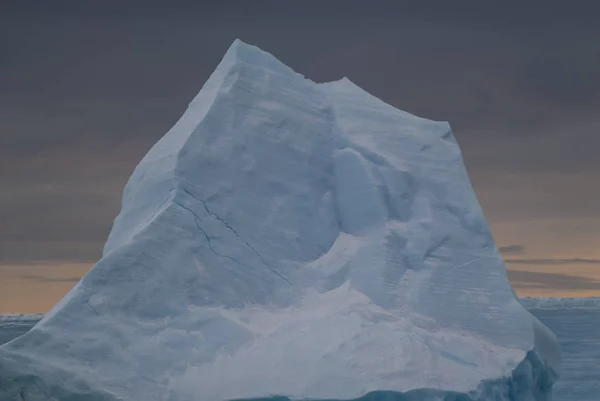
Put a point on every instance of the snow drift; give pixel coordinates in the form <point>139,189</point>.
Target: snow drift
<point>297,240</point>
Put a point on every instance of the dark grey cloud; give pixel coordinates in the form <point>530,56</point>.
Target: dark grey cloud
<point>510,67</point>
<point>86,87</point>
<point>46,279</point>
<point>512,249</point>
<point>554,281</point>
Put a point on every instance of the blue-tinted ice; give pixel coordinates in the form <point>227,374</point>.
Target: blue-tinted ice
<point>292,239</point>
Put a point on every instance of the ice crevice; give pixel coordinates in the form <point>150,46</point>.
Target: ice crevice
<point>197,219</point>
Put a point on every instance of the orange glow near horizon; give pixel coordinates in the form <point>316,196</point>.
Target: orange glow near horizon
<point>36,287</point>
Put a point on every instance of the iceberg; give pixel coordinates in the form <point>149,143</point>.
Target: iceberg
<point>288,240</point>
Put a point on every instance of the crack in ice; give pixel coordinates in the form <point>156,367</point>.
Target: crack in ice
<point>237,235</point>
<point>208,241</point>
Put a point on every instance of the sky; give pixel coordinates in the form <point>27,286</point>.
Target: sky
<point>87,87</point>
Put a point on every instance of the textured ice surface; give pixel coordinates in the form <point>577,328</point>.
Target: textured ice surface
<point>291,239</point>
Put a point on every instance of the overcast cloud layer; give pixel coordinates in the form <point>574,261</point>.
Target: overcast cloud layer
<point>87,87</point>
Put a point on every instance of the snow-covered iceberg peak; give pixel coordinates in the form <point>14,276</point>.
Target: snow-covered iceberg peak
<point>287,238</point>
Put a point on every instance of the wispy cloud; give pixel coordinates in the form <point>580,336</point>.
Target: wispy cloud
<point>576,261</point>
<point>555,281</point>
<point>47,279</point>
<point>515,249</point>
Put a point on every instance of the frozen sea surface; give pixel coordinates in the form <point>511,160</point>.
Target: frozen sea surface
<point>576,323</point>
<point>14,325</point>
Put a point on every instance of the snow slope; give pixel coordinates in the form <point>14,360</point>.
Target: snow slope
<point>292,239</point>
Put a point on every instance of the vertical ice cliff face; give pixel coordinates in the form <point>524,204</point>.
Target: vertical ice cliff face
<point>293,239</point>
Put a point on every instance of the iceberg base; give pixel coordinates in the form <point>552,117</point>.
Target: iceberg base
<point>532,380</point>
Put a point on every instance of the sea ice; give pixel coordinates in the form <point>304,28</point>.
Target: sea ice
<point>287,238</point>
